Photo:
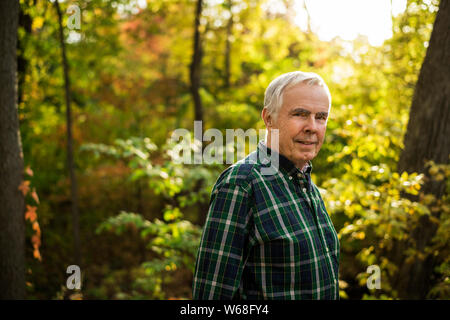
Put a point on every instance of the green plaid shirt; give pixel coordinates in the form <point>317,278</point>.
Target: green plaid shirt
<point>267,236</point>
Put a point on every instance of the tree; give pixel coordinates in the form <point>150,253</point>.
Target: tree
<point>195,67</point>
<point>427,138</point>
<point>70,160</point>
<point>12,222</point>
<point>195,78</point>
<point>25,22</point>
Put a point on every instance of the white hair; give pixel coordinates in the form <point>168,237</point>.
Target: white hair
<point>273,97</point>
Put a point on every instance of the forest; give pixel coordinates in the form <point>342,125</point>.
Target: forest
<point>91,92</point>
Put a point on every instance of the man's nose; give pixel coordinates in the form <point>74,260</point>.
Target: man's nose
<point>311,125</point>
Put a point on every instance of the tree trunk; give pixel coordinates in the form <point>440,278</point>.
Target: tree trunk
<point>428,131</point>
<point>25,22</point>
<point>195,67</point>
<point>195,76</point>
<point>70,157</point>
<point>12,220</point>
<point>427,138</point>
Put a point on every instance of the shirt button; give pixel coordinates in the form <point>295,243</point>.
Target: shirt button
<point>290,178</point>
<point>304,190</point>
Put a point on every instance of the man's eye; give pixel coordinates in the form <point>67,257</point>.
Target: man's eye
<point>301,114</point>
<point>321,116</point>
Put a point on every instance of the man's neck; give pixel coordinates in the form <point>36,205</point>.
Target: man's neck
<point>302,166</point>
<point>305,166</point>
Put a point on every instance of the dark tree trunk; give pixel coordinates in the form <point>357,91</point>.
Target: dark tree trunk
<point>70,157</point>
<point>428,132</point>
<point>195,67</point>
<point>195,77</point>
<point>12,220</point>
<point>25,22</point>
<point>427,138</point>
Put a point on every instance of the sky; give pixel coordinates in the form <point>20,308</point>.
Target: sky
<point>348,18</point>
<point>344,18</point>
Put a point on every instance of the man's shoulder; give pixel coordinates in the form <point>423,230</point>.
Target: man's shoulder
<point>241,173</point>
<point>319,192</point>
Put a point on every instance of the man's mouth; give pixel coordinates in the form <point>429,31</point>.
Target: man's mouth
<point>306,143</point>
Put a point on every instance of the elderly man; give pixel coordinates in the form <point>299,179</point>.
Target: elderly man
<point>270,236</point>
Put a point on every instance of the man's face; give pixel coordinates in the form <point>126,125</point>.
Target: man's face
<point>301,121</point>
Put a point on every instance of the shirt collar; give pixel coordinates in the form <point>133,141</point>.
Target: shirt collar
<point>285,164</point>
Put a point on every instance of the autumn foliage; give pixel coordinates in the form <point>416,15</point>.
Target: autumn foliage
<point>140,212</point>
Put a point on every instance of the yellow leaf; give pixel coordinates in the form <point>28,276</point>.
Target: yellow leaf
<point>360,235</point>
<point>404,175</point>
<point>433,171</point>
<point>38,22</point>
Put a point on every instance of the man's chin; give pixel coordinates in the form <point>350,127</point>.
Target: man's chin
<point>304,157</point>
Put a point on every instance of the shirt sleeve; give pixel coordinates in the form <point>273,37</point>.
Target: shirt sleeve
<point>223,247</point>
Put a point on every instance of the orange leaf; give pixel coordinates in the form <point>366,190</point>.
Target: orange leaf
<point>35,196</point>
<point>36,241</point>
<point>25,187</point>
<point>31,213</point>
<point>28,171</point>
<point>37,254</point>
<point>37,228</point>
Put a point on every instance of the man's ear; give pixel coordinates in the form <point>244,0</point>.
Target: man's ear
<point>266,117</point>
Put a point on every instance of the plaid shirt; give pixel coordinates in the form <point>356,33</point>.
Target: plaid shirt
<point>267,236</point>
